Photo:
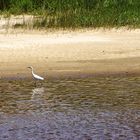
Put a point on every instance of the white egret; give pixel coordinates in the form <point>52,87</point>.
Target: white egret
<point>37,77</point>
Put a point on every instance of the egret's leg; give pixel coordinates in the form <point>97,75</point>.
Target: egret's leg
<point>41,83</point>
<point>34,83</point>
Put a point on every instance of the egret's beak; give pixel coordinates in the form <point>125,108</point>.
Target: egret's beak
<point>29,67</point>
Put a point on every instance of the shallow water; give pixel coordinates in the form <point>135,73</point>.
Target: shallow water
<point>98,108</point>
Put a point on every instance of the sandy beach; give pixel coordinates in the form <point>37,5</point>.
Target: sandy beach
<point>68,53</point>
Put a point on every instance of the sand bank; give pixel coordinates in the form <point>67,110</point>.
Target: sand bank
<point>62,53</point>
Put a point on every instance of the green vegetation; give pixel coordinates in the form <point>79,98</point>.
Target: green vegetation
<point>77,13</point>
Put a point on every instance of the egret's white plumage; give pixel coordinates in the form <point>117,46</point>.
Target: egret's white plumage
<point>37,77</point>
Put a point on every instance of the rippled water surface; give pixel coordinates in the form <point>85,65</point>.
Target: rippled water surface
<point>98,108</point>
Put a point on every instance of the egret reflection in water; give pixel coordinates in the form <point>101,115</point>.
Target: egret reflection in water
<point>37,99</point>
<point>37,93</point>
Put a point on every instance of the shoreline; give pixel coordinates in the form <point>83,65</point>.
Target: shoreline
<point>70,53</point>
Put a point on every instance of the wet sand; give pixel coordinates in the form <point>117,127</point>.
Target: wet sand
<point>69,53</point>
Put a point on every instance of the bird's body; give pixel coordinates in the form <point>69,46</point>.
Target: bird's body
<point>38,77</point>
<point>35,76</point>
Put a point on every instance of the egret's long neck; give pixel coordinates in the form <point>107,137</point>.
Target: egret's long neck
<point>32,71</point>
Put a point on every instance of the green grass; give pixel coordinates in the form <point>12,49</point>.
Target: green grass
<point>77,13</point>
